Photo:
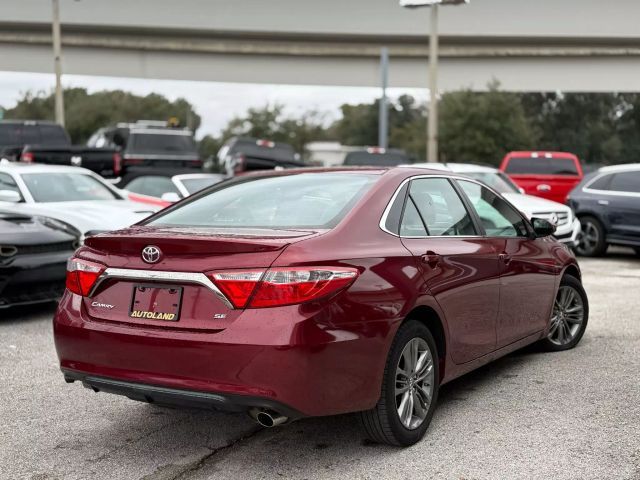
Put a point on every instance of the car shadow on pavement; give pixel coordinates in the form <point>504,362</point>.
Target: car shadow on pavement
<point>27,313</point>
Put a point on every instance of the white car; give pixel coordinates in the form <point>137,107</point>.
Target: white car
<point>72,195</point>
<point>567,225</point>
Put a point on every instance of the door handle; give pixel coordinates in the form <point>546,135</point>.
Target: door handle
<point>603,202</point>
<point>430,258</point>
<point>506,258</point>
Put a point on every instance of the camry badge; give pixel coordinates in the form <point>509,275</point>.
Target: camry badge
<point>151,254</point>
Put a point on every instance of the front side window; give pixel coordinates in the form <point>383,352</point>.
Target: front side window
<point>306,200</point>
<point>66,187</point>
<point>437,205</point>
<point>497,217</point>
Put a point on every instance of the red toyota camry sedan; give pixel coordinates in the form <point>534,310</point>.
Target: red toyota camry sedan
<point>317,292</point>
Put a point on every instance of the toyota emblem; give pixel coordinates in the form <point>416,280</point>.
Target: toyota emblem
<point>151,254</point>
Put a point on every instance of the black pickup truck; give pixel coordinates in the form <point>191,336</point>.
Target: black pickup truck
<point>47,142</point>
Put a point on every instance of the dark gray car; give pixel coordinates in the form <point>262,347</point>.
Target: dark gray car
<point>607,202</point>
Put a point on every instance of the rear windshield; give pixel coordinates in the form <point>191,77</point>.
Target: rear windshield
<point>159,143</point>
<point>388,159</point>
<point>542,166</point>
<point>19,134</point>
<point>65,187</point>
<point>308,200</point>
<point>279,151</point>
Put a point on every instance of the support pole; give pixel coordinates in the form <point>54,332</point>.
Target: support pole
<point>383,119</point>
<point>432,123</point>
<point>57,63</point>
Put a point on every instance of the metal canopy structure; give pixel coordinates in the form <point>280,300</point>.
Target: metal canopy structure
<point>526,46</point>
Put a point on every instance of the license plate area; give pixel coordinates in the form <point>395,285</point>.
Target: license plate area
<point>152,302</point>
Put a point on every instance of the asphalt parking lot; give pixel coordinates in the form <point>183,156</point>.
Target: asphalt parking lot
<point>531,415</point>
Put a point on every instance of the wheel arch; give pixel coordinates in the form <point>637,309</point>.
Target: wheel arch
<point>430,318</point>
<point>574,271</point>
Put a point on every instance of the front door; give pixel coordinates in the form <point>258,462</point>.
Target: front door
<point>460,268</point>
<point>527,270</point>
<point>623,206</point>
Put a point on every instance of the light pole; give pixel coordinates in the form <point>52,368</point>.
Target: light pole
<point>57,62</point>
<point>432,118</point>
<point>383,114</point>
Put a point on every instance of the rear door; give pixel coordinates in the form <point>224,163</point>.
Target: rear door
<point>460,268</point>
<point>527,269</point>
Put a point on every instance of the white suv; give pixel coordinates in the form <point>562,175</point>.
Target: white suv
<point>567,225</point>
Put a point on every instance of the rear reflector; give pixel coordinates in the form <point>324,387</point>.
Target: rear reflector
<point>117,164</point>
<point>82,275</point>
<point>282,286</point>
<point>27,157</point>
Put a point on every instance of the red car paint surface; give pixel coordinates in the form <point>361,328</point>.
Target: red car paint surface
<point>550,175</point>
<point>482,296</point>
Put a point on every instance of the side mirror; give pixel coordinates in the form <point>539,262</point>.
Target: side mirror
<point>542,227</point>
<point>170,197</point>
<point>9,196</point>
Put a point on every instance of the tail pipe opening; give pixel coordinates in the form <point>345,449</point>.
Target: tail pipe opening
<point>267,418</point>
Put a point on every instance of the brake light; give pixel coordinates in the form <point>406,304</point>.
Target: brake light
<point>27,157</point>
<point>266,143</point>
<point>117,163</point>
<point>82,275</point>
<point>282,286</point>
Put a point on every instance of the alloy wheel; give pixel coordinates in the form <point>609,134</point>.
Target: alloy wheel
<point>567,317</point>
<point>589,239</point>
<point>414,383</point>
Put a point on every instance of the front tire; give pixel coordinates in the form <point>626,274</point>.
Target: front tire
<point>409,389</point>
<point>569,316</point>
<point>592,242</point>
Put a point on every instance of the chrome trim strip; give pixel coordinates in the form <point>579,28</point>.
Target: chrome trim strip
<point>383,220</point>
<point>613,193</point>
<point>160,276</point>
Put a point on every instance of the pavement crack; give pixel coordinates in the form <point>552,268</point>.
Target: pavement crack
<point>182,473</point>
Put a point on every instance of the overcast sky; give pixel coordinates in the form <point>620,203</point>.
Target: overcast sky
<point>215,102</point>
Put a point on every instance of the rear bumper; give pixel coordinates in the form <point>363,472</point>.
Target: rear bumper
<point>178,397</point>
<point>287,357</point>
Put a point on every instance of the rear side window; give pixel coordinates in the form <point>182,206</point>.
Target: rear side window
<point>541,166</point>
<point>626,182</point>
<point>496,216</point>
<point>439,207</point>
<point>152,185</point>
<point>307,200</point>
<point>602,183</point>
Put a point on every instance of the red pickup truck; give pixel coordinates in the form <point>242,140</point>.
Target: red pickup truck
<point>550,175</point>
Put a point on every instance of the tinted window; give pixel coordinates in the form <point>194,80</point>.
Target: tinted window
<point>165,143</point>
<point>53,135</point>
<point>496,180</point>
<point>541,166</point>
<point>394,216</point>
<point>497,217</point>
<point>603,183</point>
<point>65,187</point>
<point>18,134</point>
<point>8,183</point>
<point>310,200</point>
<point>440,207</point>
<point>152,185</point>
<point>194,185</point>
<point>626,182</point>
<point>412,224</point>
<point>263,149</point>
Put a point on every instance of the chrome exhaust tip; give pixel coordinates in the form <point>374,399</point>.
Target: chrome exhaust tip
<point>267,418</point>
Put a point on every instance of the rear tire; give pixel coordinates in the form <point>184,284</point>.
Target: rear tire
<point>592,242</point>
<point>569,316</point>
<point>383,424</point>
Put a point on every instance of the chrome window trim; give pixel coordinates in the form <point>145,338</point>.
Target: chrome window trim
<point>613,193</point>
<point>161,276</point>
<point>385,214</point>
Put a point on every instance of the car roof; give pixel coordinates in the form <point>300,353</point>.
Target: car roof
<point>620,168</point>
<point>20,168</point>
<point>455,167</point>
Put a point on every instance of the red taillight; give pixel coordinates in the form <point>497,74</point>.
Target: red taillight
<point>27,157</point>
<point>282,286</point>
<point>82,275</point>
<point>117,163</point>
<point>134,161</point>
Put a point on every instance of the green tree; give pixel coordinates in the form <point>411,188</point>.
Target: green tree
<point>270,122</point>
<point>482,127</point>
<point>85,113</point>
